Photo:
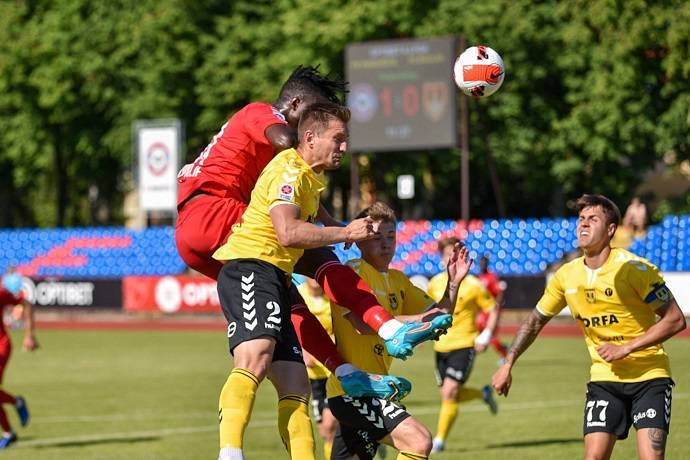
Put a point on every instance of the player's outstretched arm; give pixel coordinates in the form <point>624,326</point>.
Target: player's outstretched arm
<point>672,322</point>
<point>295,233</point>
<point>458,267</point>
<point>529,330</point>
<point>29,343</point>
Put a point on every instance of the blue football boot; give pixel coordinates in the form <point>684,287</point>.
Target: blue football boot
<point>7,439</point>
<point>488,398</point>
<point>388,387</point>
<point>412,334</point>
<point>22,410</point>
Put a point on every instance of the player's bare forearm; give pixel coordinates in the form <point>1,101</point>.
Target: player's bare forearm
<point>326,219</point>
<point>529,330</point>
<point>492,321</point>
<point>450,297</point>
<point>30,342</point>
<point>458,267</point>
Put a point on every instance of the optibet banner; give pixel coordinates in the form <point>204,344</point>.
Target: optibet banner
<point>170,294</point>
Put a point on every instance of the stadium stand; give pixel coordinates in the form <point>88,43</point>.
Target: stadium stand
<point>104,252</point>
<point>518,247</point>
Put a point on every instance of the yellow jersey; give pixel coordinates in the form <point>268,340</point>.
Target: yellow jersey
<point>472,298</point>
<point>396,293</point>
<point>286,179</point>
<point>613,304</point>
<point>321,307</point>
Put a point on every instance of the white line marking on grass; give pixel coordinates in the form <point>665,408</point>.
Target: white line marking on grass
<point>131,435</point>
<point>257,423</point>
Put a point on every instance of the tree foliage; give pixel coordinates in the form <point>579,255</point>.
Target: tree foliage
<point>596,93</point>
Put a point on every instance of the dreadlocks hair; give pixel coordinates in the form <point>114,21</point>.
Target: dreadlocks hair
<point>309,81</point>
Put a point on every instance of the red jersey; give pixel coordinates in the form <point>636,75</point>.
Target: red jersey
<point>7,299</point>
<point>230,165</point>
<point>491,283</point>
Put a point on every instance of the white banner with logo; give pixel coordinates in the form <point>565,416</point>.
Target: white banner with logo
<point>158,146</point>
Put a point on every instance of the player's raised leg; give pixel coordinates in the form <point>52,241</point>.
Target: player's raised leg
<point>344,287</point>
<point>314,338</point>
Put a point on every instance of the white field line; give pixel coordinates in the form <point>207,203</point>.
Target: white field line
<point>263,420</point>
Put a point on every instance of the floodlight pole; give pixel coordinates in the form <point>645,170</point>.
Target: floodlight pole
<point>464,151</point>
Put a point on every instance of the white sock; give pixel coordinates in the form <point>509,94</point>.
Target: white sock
<point>389,328</point>
<point>230,453</point>
<point>344,369</point>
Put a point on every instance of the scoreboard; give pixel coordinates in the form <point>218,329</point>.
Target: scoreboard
<point>402,94</point>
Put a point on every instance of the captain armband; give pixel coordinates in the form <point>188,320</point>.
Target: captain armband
<point>659,293</point>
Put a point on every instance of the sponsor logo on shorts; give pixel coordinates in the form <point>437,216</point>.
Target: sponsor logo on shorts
<point>649,413</point>
<point>369,445</point>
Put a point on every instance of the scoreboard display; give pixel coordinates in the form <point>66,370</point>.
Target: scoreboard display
<point>402,94</point>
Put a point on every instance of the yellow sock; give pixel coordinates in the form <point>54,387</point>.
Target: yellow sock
<point>327,448</point>
<point>294,426</point>
<point>446,418</point>
<point>235,406</point>
<point>409,455</point>
<point>468,394</point>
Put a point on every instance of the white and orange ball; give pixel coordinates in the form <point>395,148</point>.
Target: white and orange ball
<point>479,71</point>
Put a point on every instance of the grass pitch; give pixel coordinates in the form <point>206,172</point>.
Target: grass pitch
<point>153,395</point>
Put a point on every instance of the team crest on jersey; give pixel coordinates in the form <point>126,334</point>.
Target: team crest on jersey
<point>590,296</point>
<point>393,301</point>
<point>287,192</point>
<point>608,292</point>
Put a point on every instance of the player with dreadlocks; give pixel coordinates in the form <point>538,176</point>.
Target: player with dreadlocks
<point>213,194</point>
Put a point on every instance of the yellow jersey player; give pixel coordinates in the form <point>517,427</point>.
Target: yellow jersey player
<point>625,312</point>
<point>364,422</point>
<point>319,304</point>
<point>455,351</point>
<point>254,283</point>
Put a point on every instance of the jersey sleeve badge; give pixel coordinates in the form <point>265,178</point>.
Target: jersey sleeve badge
<point>287,193</point>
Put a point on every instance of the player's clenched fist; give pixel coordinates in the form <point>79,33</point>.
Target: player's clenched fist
<point>360,230</point>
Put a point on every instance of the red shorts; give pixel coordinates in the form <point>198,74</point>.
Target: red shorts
<point>203,225</point>
<point>5,352</point>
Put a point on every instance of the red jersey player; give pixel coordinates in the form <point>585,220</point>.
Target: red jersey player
<point>214,191</point>
<point>492,284</point>
<point>11,295</point>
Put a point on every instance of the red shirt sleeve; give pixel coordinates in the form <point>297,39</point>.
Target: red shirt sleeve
<point>260,116</point>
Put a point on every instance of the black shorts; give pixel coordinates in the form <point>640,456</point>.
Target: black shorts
<point>612,407</point>
<point>318,398</point>
<point>313,259</point>
<point>362,422</point>
<point>254,296</point>
<point>456,365</point>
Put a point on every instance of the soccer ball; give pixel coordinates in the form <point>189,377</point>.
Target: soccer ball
<point>479,71</point>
